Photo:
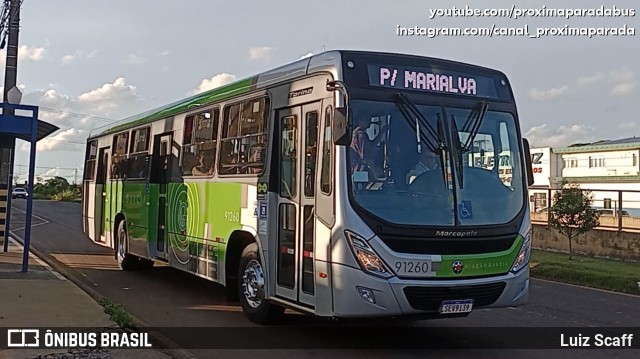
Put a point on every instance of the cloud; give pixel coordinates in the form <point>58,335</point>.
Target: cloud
<point>109,96</point>
<point>261,53</point>
<point>590,80</point>
<point>134,59</point>
<point>64,139</point>
<point>78,115</point>
<point>544,136</point>
<point>308,54</point>
<point>31,53</point>
<point>50,173</point>
<point>25,53</point>
<point>625,88</point>
<point>68,59</point>
<point>550,94</point>
<point>627,125</point>
<point>215,81</point>
<point>143,58</point>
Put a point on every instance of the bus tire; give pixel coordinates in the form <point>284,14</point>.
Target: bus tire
<point>251,289</point>
<point>126,260</point>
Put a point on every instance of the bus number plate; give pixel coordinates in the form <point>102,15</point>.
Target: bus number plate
<point>412,268</point>
<point>456,306</point>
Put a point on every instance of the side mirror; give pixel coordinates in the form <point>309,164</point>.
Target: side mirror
<point>528,164</point>
<point>341,126</point>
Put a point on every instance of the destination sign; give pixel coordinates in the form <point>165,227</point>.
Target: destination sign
<point>432,80</point>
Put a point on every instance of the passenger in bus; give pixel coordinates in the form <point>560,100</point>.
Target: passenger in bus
<point>204,167</point>
<point>257,154</point>
<point>427,162</point>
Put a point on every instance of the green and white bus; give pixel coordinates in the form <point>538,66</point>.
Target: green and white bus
<point>345,184</point>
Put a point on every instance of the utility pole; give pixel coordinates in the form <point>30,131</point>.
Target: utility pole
<point>11,67</point>
<point>8,143</point>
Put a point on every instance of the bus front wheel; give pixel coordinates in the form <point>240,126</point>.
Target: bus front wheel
<point>251,289</point>
<point>126,261</point>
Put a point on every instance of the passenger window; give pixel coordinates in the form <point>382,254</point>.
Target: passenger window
<point>244,137</point>
<point>200,143</point>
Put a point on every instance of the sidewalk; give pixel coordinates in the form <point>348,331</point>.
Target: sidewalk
<point>44,298</point>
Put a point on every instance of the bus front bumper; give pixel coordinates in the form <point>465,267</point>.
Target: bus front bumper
<point>357,294</point>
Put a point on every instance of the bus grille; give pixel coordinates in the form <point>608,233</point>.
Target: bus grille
<point>430,298</point>
<point>451,246</point>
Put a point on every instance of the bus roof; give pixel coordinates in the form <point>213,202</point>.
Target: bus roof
<point>325,61</point>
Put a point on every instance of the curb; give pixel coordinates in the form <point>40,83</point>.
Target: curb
<point>165,344</point>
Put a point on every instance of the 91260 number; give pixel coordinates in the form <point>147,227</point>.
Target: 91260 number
<point>412,267</point>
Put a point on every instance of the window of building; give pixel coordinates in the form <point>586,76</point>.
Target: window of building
<point>635,159</point>
<point>200,143</point>
<point>596,162</point>
<point>243,144</point>
<point>570,162</point>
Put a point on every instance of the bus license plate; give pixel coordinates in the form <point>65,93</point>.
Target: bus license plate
<point>456,306</point>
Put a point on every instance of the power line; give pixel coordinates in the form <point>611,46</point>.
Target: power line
<point>47,109</point>
<point>51,168</point>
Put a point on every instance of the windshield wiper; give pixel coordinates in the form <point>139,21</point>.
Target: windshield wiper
<point>456,151</point>
<point>436,143</point>
<point>407,108</point>
<point>472,125</point>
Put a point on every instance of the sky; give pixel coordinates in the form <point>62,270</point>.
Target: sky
<point>86,63</point>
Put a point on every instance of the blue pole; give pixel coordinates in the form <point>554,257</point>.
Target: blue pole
<point>9,191</point>
<point>32,169</point>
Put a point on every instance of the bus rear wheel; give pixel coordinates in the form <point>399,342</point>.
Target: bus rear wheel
<point>251,289</point>
<point>126,261</point>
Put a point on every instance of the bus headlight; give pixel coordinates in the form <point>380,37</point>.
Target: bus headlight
<point>522,259</point>
<point>366,257</point>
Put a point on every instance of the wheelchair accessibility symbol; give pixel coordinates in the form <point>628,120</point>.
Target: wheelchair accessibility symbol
<point>464,210</point>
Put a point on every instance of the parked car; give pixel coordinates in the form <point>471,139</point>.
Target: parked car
<point>19,192</point>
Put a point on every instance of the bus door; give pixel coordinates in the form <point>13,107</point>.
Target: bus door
<point>298,138</point>
<point>162,176</point>
<point>100,196</point>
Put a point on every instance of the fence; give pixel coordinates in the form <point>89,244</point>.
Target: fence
<point>618,209</point>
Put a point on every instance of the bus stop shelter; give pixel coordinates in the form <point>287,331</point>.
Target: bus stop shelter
<point>18,122</point>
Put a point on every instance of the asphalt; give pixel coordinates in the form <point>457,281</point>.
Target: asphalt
<point>43,298</point>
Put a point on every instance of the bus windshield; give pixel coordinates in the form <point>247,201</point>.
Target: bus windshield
<point>435,166</point>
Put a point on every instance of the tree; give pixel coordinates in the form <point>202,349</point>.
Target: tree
<point>56,185</point>
<point>571,213</point>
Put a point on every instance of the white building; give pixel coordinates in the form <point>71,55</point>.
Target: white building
<point>611,169</point>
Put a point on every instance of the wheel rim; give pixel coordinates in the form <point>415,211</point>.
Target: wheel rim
<point>122,242</point>
<point>253,283</point>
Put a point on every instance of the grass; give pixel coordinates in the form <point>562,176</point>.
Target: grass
<point>117,313</point>
<point>599,273</point>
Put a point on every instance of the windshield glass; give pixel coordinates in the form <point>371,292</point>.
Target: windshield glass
<point>404,171</point>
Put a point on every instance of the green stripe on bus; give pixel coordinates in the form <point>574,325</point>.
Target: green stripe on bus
<point>475,265</point>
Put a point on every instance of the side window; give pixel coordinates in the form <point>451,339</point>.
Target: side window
<point>288,156</point>
<point>90,156</point>
<point>140,140</point>
<point>138,161</point>
<point>311,152</point>
<point>119,155</point>
<point>200,143</point>
<point>243,144</point>
<point>327,154</point>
